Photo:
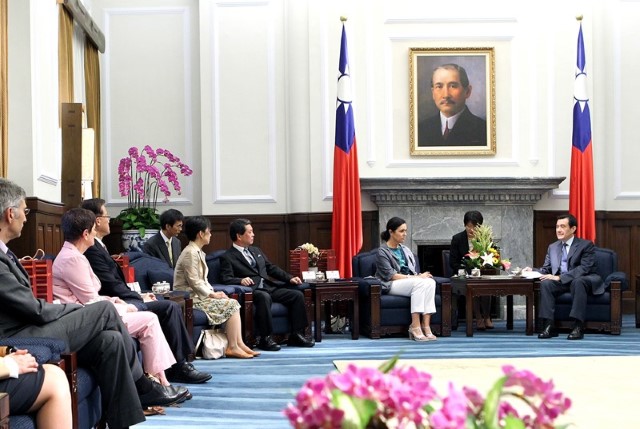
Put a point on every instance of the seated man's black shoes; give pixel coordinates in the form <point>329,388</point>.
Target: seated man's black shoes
<point>576,334</point>
<point>267,344</point>
<point>186,373</point>
<point>161,395</point>
<point>298,340</point>
<point>548,332</point>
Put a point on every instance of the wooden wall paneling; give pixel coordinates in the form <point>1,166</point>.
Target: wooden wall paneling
<point>42,230</point>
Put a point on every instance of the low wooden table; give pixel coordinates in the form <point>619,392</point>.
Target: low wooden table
<point>342,290</point>
<point>495,286</point>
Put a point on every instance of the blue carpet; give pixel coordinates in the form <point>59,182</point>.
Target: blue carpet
<point>251,393</point>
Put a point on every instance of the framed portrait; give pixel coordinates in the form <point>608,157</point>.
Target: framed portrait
<point>452,101</point>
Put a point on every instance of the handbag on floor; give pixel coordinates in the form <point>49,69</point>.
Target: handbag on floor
<point>214,342</point>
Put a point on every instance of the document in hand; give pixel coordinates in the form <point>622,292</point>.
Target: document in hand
<point>531,274</point>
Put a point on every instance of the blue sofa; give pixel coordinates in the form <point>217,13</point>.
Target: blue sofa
<point>383,314</point>
<point>604,312</point>
<point>85,393</point>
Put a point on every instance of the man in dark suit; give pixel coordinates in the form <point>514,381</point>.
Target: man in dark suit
<point>570,265</point>
<point>95,332</point>
<point>460,246</point>
<point>454,125</point>
<point>165,244</point>
<point>168,312</point>
<point>246,265</point>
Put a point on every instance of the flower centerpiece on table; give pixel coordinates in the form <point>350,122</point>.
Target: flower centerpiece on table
<point>485,253</point>
<point>143,177</point>
<point>313,252</point>
<point>390,397</point>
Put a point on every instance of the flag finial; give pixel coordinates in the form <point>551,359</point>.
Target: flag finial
<point>579,18</point>
<point>343,18</point>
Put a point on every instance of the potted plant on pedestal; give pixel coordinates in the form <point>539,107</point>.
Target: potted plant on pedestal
<point>143,177</point>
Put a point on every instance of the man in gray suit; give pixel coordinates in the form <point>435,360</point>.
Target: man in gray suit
<point>165,244</point>
<point>570,266</point>
<point>95,332</point>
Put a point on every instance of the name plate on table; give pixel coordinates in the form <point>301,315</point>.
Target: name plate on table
<point>333,275</point>
<point>308,276</point>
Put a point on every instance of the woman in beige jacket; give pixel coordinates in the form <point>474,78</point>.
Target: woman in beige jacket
<point>191,275</point>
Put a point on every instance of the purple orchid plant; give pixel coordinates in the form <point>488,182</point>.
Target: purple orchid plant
<point>143,177</point>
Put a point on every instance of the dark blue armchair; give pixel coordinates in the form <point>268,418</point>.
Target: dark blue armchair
<point>383,314</point>
<point>85,394</point>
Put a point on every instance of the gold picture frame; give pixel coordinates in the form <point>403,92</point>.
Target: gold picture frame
<point>429,132</point>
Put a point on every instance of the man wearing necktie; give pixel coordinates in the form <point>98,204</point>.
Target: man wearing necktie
<point>568,266</point>
<point>246,265</point>
<point>165,244</point>
<point>95,332</point>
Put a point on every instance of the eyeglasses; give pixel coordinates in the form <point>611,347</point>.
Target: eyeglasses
<point>26,210</point>
<point>105,216</point>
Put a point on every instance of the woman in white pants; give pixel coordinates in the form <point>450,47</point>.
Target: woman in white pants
<point>396,269</point>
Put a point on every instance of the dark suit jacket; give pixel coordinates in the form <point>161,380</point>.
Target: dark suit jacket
<point>111,276</point>
<point>19,307</point>
<point>234,267</point>
<point>459,247</point>
<point>155,246</point>
<point>581,262</point>
<point>469,130</point>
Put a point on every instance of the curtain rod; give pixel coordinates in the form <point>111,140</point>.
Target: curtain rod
<point>82,17</point>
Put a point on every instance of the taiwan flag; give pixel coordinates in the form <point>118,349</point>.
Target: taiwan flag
<point>346,228</point>
<point>581,196</point>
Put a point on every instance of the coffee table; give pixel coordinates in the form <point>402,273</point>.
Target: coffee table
<point>340,290</point>
<point>507,286</point>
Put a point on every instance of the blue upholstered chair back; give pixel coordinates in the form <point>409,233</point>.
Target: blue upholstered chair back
<point>607,267</point>
<point>364,264</point>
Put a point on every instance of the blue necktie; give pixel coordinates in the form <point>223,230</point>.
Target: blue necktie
<point>563,261</point>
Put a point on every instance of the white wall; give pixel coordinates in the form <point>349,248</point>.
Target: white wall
<point>244,91</point>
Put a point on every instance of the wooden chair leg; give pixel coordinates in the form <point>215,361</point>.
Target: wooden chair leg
<point>70,367</point>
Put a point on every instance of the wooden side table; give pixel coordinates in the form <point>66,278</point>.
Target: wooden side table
<point>507,286</point>
<point>344,290</point>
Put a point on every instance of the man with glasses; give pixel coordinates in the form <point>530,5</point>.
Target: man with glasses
<point>95,332</point>
<point>169,313</point>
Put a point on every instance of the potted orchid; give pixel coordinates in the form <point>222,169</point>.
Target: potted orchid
<point>391,397</point>
<point>145,176</point>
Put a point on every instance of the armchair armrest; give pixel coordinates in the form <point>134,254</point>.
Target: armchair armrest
<point>43,349</point>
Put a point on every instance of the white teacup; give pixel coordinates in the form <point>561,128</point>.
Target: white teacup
<point>475,272</point>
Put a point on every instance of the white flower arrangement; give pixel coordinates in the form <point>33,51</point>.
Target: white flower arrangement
<point>313,252</point>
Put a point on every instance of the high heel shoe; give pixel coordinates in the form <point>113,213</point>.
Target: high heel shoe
<point>415,334</point>
<point>428,334</point>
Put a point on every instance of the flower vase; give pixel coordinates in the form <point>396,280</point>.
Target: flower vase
<point>133,242</point>
<point>314,269</point>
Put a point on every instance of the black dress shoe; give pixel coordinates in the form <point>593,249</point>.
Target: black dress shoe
<point>298,340</point>
<point>576,334</point>
<point>180,390</point>
<point>161,395</point>
<point>267,344</point>
<point>186,373</point>
<point>548,332</point>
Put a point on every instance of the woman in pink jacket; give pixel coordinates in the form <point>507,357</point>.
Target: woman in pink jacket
<point>75,282</point>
